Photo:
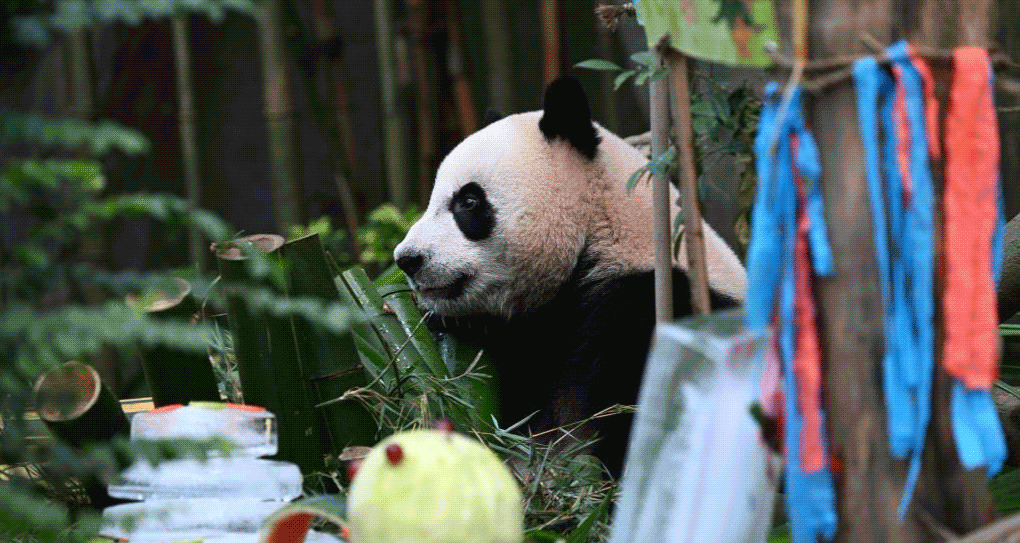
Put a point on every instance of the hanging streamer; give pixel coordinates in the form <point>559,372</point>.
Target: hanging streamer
<point>785,228</point>
<point>973,226</point>
<point>902,229</point>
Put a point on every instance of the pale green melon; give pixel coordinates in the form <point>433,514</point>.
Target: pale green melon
<point>443,488</point>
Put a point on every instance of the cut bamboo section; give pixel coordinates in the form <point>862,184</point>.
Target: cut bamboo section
<point>330,362</point>
<point>174,376</point>
<point>268,360</point>
<point>78,407</point>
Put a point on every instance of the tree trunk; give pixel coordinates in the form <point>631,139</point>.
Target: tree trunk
<point>869,481</point>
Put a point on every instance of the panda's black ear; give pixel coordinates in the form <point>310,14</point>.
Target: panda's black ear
<point>568,117</point>
<point>491,116</point>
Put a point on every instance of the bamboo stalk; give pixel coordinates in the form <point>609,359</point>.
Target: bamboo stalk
<point>680,105</point>
<point>612,113</point>
<point>176,377</point>
<point>551,40</point>
<point>189,139</point>
<point>79,71</point>
<point>662,222</point>
<point>330,363</point>
<point>393,124</point>
<point>463,96</point>
<point>499,56</point>
<point>348,178</point>
<point>269,363</point>
<point>420,12</point>
<point>280,117</point>
<point>78,407</point>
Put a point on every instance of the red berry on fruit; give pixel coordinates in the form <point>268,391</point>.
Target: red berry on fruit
<point>444,425</point>
<point>394,454</point>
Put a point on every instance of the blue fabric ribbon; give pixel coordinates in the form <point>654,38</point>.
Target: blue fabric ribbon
<point>902,229</point>
<point>810,497</point>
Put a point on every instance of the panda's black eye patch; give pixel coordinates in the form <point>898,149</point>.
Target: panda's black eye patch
<point>472,211</point>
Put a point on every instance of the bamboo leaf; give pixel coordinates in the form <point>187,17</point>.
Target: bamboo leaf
<point>621,78</point>
<point>646,58</point>
<point>599,64</point>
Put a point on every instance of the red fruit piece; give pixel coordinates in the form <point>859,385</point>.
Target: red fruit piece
<point>352,469</point>
<point>444,425</point>
<point>394,453</point>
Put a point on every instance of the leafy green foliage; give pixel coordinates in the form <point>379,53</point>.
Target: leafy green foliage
<point>97,138</point>
<point>37,28</point>
<point>385,226</point>
<point>647,66</point>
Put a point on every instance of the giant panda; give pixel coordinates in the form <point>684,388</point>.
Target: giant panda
<point>532,247</point>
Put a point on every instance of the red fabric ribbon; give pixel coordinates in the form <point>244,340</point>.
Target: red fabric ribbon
<point>807,366</point>
<point>971,211</point>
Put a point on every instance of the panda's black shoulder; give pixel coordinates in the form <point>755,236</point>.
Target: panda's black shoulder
<point>635,292</point>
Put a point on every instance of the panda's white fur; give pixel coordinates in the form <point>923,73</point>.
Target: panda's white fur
<point>552,205</point>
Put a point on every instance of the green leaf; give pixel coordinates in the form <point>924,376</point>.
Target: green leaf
<point>543,536</point>
<point>33,256</point>
<point>646,58</point>
<point>641,77</point>
<point>599,64</point>
<point>623,76</point>
<point>583,532</point>
<point>635,177</point>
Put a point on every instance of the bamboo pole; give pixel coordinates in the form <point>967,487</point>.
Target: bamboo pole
<point>393,124</point>
<point>658,93</point>
<point>420,19</point>
<point>551,39</point>
<point>680,106</point>
<point>499,56</point>
<point>176,377</point>
<point>463,96</point>
<point>329,362</point>
<point>280,116</point>
<point>189,139</point>
<point>79,73</point>
<point>78,407</point>
<point>269,361</point>
<point>348,178</point>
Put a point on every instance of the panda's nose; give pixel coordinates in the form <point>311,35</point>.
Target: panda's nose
<point>410,263</point>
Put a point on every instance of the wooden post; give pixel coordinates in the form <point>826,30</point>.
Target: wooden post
<point>694,239</point>
<point>869,481</point>
<point>658,92</point>
<point>551,39</point>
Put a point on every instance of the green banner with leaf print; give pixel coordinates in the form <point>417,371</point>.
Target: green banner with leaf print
<point>732,32</point>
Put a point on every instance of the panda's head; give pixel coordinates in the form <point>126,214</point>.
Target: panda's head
<point>519,204</point>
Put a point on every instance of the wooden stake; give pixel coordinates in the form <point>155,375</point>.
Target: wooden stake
<point>551,39</point>
<point>659,114</point>
<point>680,106</point>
